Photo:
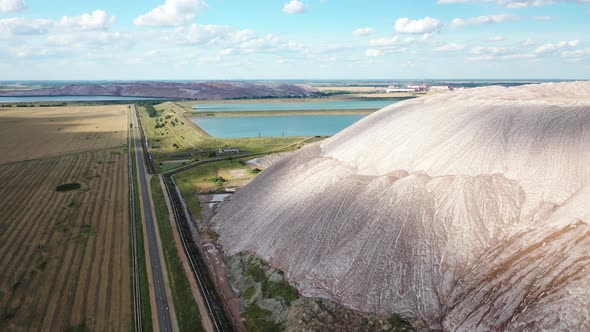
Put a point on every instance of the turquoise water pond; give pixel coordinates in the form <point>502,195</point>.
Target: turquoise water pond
<point>297,106</point>
<point>275,126</point>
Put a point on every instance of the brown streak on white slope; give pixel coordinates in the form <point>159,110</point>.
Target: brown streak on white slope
<point>468,210</point>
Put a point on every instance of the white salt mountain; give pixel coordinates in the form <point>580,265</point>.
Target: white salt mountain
<point>468,210</point>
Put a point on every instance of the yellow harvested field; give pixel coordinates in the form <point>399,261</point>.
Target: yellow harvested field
<point>65,255</point>
<point>36,132</point>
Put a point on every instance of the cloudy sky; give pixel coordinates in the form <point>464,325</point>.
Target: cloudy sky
<point>294,39</point>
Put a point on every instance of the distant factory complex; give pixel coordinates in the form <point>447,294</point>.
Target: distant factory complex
<point>423,88</point>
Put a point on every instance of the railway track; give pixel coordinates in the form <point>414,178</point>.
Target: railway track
<point>198,267</point>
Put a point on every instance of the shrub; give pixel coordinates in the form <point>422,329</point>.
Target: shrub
<point>248,293</point>
<point>219,180</point>
<point>8,313</point>
<point>258,319</point>
<point>282,289</point>
<point>151,111</point>
<point>68,186</point>
<point>397,322</point>
<point>255,271</point>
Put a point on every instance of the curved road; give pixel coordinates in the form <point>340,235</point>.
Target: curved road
<point>159,287</point>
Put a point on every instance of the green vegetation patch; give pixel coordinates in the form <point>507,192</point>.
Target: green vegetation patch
<point>272,304</point>
<point>398,323</point>
<point>260,272</point>
<point>219,180</point>
<point>150,110</point>
<point>255,271</point>
<point>259,320</point>
<point>282,289</point>
<point>206,178</point>
<point>248,293</point>
<point>68,186</point>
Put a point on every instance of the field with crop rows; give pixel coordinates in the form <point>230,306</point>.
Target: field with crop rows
<point>64,237</point>
<point>36,132</point>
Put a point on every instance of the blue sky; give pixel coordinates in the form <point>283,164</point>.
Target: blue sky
<point>294,39</point>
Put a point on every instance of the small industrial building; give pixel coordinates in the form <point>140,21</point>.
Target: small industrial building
<point>395,89</point>
<point>229,150</point>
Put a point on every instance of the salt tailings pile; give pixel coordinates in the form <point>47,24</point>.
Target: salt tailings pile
<point>468,210</point>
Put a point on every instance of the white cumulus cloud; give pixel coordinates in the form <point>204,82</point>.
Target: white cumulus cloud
<point>22,26</point>
<point>361,32</point>
<point>485,50</point>
<point>384,42</point>
<point>549,47</point>
<point>577,54</point>
<point>197,34</point>
<point>451,47</point>
<point>514,3</point>
<point>372,52</point>
<point>495,38</point>
<point>11,6</point>
<point>226,51</point>
<point>14,27</point>
<point>518,56</point>
<point>91,39</point>
<point>424,25</point>
<point>98,20</point>
<point>528,42</point>
<point>486,19</point>
<point>294,7</point>
<point>171,13</point>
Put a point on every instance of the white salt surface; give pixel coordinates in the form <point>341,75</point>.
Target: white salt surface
<point>468,210</point>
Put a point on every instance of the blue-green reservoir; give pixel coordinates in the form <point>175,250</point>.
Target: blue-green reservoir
<point>297,106</point>
<point>275,126</point>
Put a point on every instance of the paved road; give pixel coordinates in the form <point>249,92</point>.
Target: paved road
<point>137,308</point>
<point>162,308</point>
